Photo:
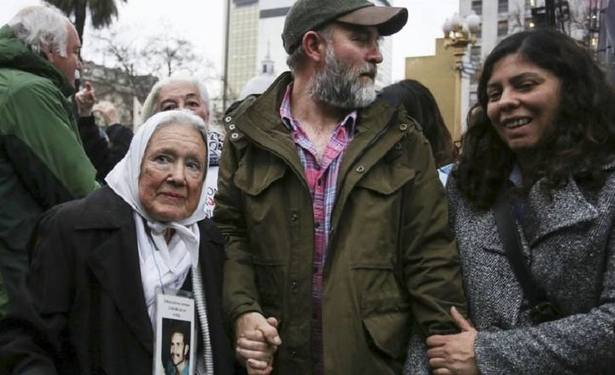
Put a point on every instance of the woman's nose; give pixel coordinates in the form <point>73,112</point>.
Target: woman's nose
<point>177,174</point>
<point>508,100</point>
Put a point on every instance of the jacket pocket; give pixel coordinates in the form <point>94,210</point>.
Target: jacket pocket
<point>253,177</point>
<point>385,309</point>
<point>385,179</point>
<point>386,319</point>
<point>389,332</point>
<point>375,206</point>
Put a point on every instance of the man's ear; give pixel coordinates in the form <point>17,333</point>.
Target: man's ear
<point>48,53</point>
<point>314,45</point>
<point>186,348</point>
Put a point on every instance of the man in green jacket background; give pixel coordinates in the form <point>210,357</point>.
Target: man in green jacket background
<point>42,161</point>
<point>336,223</point>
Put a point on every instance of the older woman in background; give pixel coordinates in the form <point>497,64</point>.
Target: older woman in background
<point>99,260</point>
<point>533,205</point>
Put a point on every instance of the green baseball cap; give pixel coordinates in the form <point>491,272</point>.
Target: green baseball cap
<point>306,15</point>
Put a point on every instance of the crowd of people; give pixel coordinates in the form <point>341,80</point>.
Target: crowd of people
<point>349,234</point>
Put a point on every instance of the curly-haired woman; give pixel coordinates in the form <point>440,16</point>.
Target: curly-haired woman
<point>533,207</point>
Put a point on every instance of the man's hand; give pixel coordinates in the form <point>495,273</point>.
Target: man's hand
<point>453,354</point>
<point>257,341</point>
<point>85,100</point>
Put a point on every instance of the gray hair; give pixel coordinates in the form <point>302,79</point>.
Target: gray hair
<point>42,27</point>
<point>149,105</point>
<point>297,57</point>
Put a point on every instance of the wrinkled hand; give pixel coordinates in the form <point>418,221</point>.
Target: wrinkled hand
<point>85,100</point>
<point>453,354</point>
<point>257,341</point>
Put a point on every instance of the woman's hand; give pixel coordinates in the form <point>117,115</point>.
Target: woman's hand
<point>453,354</point>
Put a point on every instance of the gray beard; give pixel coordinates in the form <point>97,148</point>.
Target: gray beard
<point>340,85</point>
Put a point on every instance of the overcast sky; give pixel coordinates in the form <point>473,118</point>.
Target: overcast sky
<point>202,22</point>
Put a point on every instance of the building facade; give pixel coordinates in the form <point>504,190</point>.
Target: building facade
<point>255,34</point>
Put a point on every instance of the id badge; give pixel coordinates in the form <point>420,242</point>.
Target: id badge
<point>175,332</point>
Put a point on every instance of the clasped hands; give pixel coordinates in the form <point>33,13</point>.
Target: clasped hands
<point>257,340</point>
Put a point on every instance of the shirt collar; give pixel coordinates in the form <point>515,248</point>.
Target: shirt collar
<point>292,124</point>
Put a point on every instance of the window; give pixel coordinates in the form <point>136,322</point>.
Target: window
<point>477,6</point>
<point>502,6</point>
<point>502,27</point>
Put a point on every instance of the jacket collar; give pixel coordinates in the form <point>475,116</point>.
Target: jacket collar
<point>15,54</point>
<point>559,209</point>
<point>562,208</point>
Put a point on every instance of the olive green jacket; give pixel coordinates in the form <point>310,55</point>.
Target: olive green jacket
<point>391,261</point>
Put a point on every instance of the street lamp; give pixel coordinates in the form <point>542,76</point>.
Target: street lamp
<point>458,34</point>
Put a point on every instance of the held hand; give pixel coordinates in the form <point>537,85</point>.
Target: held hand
<point>257,341</point>
<point>453,354</point>
<point>85,100</point>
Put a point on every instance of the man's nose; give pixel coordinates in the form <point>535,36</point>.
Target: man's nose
<point>374,55</point>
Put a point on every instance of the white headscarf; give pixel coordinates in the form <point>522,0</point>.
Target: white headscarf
<point>162,265</point>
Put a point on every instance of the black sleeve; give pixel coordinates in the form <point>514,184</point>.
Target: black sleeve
<point>119,142</point>
<point>104,149</point>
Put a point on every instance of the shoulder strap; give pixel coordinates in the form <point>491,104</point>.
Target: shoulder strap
<point>507,229</point>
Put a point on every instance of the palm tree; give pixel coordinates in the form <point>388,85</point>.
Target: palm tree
<point>101,12</point>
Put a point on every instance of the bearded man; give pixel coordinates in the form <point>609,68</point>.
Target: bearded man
<point>334,218</point>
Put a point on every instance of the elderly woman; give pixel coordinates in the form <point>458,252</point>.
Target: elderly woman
<point>533,201</point>
<point>189,93</point>
<point>98,262</point>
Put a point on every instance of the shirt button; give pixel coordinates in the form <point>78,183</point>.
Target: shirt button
<point>294,217</point>
<point>231,127</point>
<point>228,119</point>
<point>403,127</point>
<point>293,354</point>
<point>293,286</point>
<point>234,136</point>
<point>360,169</point>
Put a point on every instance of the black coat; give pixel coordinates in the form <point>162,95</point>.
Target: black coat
<point>85,311</point>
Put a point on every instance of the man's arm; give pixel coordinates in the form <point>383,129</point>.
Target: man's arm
<point>430,258</point>
<point>240,296</point>
<point>44,147</point>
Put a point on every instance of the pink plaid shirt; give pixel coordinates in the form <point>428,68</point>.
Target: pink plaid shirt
<point>322,181</point>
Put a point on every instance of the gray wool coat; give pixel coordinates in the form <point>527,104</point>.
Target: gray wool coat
<point>570,249</point>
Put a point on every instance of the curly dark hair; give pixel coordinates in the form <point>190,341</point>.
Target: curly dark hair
<point>422,106</point>
<point>581,141</point>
